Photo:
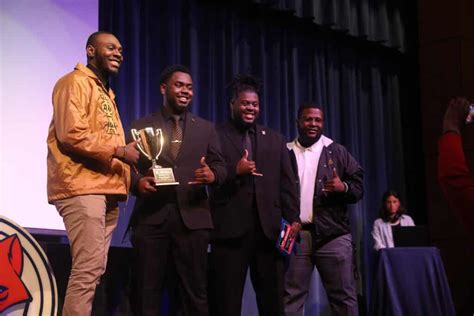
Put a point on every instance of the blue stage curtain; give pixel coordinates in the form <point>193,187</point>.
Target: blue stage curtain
<point>356,82</point>
<point>380,21</point>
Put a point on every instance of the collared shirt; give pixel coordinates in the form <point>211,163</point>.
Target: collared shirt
<point>168,116</point>
<point>307,159</point>
<point>104,80</point>
<point>250,129</point>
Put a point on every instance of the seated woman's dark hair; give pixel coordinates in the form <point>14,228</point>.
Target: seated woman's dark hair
<point>384,213</point>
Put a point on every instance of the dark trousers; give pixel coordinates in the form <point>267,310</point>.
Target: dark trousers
<point>164,250</point>
<point>229,262</point>
<point>334,261</point>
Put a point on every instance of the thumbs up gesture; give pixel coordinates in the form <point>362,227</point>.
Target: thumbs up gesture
<point>245,166</point>
<point>204,174</point>
<point>335,184</point>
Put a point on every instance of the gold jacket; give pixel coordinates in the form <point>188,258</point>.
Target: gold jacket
<point>82,138</point>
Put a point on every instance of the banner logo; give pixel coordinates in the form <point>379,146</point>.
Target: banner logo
<point>27,284</point>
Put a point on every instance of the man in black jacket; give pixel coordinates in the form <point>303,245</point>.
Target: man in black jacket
<point>170,224</point>
<point>247,208</point>
<point>329,179</point>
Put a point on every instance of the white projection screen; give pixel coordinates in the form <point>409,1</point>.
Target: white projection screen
<point>40,41</point>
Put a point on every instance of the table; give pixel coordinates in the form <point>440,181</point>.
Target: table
<point>411,281</point>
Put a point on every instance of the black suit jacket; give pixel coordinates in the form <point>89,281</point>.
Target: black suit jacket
<point>275,192</point>
<point>199,140</point>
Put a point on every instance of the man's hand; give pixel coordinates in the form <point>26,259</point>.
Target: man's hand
<point>245,166</point>
<point>129,153</point>
<point>335,184</point>
<point>455,116</point>
<point>295,229</point>
<point>203,175</point>
<point>146,186</point>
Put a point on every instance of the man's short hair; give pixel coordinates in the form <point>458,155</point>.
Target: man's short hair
<point>308,105</point>
<point>91,39</point>
<point>170,70</point>
<point>244,83</point>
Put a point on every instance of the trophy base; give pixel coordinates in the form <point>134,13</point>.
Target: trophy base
<point>164,176</point>
<point>162,184</point>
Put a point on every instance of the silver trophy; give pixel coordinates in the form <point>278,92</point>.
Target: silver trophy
<point>151,145</point>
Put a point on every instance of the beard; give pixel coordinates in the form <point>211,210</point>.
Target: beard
<point>102,65</point>
<point>307,141</point>
<point>173,104</point>
<point>241,124</point>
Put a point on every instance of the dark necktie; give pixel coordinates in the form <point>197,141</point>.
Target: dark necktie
<point>176,137</point>
<point>247,144</point>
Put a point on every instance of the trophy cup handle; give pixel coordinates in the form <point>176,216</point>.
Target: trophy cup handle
<point>136,136</point>
<point>159,134</point>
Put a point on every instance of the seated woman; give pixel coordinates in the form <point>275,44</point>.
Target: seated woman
<point>392,213</point>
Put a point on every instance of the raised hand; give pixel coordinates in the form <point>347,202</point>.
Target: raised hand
<point>335,184</point>
<point>203,175</point>
<point>455,116</point>
<point>245,166</point>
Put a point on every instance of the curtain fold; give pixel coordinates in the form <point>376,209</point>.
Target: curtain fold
<point>374,20</point>
<point>356,85</point>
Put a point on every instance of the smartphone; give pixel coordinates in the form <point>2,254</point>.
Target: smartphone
<point>470,116</point>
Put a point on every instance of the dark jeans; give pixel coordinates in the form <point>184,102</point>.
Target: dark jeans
<point>334,261</point>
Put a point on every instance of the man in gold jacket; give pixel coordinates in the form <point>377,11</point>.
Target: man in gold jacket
<point>88,165</point>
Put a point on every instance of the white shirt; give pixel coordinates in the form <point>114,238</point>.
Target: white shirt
<point>382,232</point>
<point>308,160</point>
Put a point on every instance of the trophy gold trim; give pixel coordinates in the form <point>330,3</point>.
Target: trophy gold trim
<point>151,145</point>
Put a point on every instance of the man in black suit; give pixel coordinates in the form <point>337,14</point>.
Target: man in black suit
<point>247,209</point>
<point>170,224</point>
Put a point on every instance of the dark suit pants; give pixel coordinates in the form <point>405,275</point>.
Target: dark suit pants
<point>170,247</point>
<point>334,261</point>
<point>229,262</point>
